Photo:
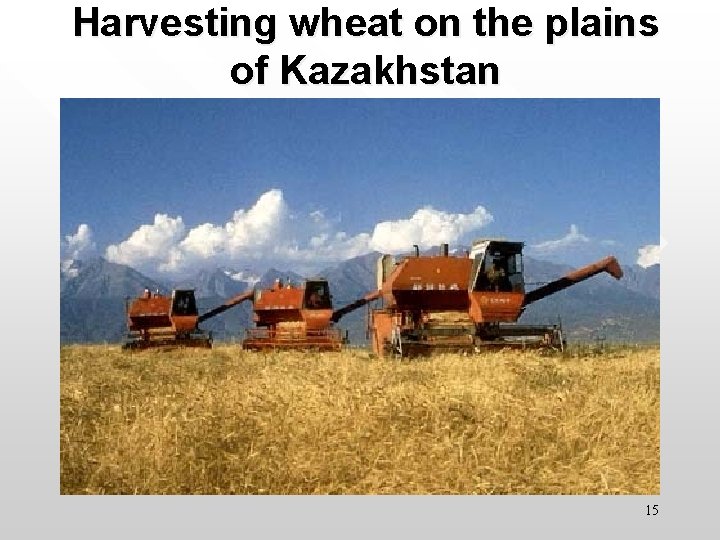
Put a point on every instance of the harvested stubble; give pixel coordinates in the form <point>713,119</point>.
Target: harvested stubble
<point>226,421</point>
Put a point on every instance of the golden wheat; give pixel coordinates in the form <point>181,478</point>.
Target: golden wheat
<point>226,421</point>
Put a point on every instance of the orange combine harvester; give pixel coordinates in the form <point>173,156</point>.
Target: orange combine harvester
<point>443,302</point>
<point>156,320</point>
<point>428,303</point>
<point>286,317</point>
<point>294,317</point>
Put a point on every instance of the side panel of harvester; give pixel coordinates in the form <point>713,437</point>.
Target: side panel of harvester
<point>382,324</point>
<point>147,313</point>
<point>425,305</point>
<point>177,313</point>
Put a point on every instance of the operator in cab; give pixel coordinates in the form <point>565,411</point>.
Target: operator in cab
<point>497,277</point>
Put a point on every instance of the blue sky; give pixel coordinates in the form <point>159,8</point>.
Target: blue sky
<point>339,167</point>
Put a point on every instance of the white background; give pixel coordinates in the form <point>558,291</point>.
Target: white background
<point>41,61</point>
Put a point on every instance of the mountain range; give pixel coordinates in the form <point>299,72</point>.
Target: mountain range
<point>93,294</point>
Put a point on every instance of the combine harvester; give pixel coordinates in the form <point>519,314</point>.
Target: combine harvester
<point>286,317</point>
<point>448,303</point>
<point>296,317</point>
<point>429,303</point>
<point>156,320</point>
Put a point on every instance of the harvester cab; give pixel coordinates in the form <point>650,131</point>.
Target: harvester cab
<point>497,266</point>
<point>183,303</point>
<point>497,285</point>
<point>317,295</point>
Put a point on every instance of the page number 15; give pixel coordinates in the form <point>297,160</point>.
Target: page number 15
<point>652,510</point>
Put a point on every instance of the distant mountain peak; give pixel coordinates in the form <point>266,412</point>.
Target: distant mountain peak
<point>99,278</point>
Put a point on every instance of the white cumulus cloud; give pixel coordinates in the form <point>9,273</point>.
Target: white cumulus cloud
<point>649,255</point>
<point>249,234</point>
<point>80,244</point>
<point>150,244</point>
<point>427,227</point>
<point>572,239</point>
<point>271,233</point>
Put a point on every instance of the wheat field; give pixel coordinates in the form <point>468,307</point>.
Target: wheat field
<point>225,421</point>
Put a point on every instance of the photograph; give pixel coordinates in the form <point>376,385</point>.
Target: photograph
<point>359,296</point>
